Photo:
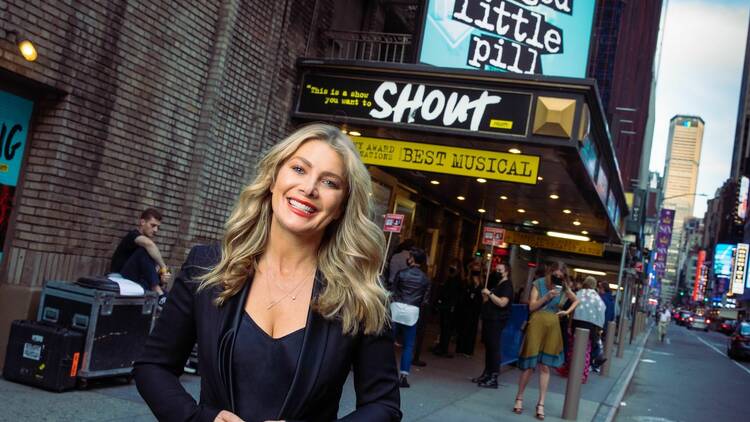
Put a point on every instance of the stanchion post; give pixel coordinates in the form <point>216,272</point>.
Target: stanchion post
<point>609,342</point>
<point>621,338</point>
<point>573,390</point>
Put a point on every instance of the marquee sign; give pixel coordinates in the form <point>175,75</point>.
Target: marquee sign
<point>466,162</point>
<point>412,102</point>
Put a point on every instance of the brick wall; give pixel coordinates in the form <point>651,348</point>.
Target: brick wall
<point>166,104</point>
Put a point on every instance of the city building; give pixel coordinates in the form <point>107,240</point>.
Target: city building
<point>622,61</point>
<point>680,181</point>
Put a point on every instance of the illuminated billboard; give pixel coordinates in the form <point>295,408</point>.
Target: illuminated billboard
<point>742,199</point>
<point>531,37</point>
<point>739,273</point>
<point>723,260</point>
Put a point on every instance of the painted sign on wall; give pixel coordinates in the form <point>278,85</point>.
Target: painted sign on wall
<point>539,37</point>
<point>15,114</point>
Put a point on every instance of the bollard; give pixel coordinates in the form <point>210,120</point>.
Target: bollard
<point>621,338</point>
<point>573,390</point>
<point>609,342</point>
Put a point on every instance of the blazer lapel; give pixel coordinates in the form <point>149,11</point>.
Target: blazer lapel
<point>234,308</point>
<point>310,359</point>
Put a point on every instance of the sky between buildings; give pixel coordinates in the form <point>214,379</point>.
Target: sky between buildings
<point>700,73</point>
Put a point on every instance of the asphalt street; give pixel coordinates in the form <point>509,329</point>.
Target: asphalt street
<point>687,378</point>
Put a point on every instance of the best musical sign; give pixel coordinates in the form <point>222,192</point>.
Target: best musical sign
<point>414,103</point>
<point>504,166</point>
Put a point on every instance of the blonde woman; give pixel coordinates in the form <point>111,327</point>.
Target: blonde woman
<point>542,343</point>
<point>290,303</point>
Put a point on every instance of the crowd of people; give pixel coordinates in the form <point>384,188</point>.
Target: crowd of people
<point>557,303</point>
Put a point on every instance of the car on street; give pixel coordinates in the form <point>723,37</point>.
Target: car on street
<point>727,326</point>
<point>698,322</point>
<point>682,317</point>
<point>739,343</point>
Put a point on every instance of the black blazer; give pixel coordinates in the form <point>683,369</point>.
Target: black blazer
<point>327,356</point>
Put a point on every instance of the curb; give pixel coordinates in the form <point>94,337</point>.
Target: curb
<point>608,409</point>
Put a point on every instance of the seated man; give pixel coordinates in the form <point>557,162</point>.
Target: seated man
<point>137,257</point>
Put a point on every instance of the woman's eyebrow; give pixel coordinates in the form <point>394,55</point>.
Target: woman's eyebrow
<point>309,164</point>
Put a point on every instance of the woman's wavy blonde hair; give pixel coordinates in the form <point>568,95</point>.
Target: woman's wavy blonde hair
<point>350,252</point>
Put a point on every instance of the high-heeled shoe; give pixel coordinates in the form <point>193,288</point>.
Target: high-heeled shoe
<point>540,414</point>
<point>518,406</point>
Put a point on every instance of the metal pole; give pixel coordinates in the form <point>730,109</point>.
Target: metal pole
<point>387,248</point>
<point>573,389</point>
<point>608,343</point>
<point>621,332</point>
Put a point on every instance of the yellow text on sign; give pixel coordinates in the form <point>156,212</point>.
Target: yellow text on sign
<point>554,243</point>
<point>449,160</point>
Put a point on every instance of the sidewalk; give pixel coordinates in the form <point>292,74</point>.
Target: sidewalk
<point>441,391</point>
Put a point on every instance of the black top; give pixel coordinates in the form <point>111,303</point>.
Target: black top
<point>270,363</point>
<point>492,311</point>
<point>126,248</point>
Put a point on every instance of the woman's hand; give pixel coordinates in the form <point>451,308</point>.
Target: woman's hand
<point>227,416</point>
<point>562,313</point>
<point>552,294</point>
<point>485,292</point>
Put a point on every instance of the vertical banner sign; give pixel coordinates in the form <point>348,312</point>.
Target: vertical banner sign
<point>663,239</point>
<point>697,285</point>
<point>15,114</point>
<point>739,272</point>
<point>531,37</point>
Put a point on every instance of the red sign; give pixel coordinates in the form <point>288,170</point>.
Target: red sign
<point>493,236</point>
<point>393,223</point>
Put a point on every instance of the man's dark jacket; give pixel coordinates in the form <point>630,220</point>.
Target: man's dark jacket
<point>325,360</point>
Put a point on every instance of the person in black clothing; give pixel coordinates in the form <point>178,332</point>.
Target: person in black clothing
<point>411,290</point>
<point>468,308</point>
<point>138,258</point>
<point>495,313</point>
<point>450,290</point>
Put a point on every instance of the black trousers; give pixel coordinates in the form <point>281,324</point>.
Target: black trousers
<point>141,268</point>
<point>447,322</point>
<point>492,330</point>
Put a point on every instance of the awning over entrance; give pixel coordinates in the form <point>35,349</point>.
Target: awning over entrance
<point>531,154</point>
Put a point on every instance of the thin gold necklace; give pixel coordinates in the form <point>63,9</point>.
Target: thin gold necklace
<point>292,292</point>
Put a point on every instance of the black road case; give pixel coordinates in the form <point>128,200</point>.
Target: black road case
<point>43,355</point>
<point>115,327</point>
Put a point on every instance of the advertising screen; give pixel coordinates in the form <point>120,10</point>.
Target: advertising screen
<point>532,37</point>
<point>742,199</point>
<point>723,260</point>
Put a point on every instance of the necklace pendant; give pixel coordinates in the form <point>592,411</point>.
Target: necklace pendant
<point>294,297</point>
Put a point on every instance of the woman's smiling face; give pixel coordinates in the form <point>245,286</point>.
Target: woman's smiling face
<point>309,190</point>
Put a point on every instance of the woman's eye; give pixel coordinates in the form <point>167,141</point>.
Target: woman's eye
<point>330,183</point>
<point>297,169</point>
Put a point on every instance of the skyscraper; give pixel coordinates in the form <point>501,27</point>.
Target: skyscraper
<point>680,180</point>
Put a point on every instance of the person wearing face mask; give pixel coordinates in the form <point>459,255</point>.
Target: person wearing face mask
<point>495,313</point>
<point>469,305</point>
<point>542,343</point>
<point>450,289</point>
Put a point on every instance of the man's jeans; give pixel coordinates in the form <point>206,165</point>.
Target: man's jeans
<point>409,334</point>
<point>141,268</point>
